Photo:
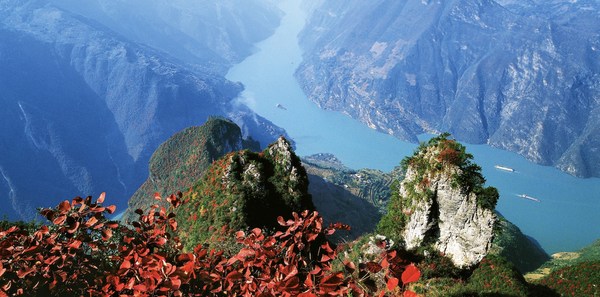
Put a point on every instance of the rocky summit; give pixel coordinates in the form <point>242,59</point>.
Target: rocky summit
<point>244,189</point>
<point>442,204</point>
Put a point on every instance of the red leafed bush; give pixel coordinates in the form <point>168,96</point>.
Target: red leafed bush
<point>83,253</point>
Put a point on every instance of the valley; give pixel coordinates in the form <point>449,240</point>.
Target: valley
<point>268,77</point>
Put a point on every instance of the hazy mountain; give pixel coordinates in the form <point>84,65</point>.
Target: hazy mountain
<point>82,108</point>
<point>518,75</point>
<point>209,34</point>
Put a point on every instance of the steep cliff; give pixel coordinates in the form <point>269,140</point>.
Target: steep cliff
<point>244,190</point>
<point>354,197</point>
<point>442,203</point>
<point>510,243</point>
<point>524,77</point>
<point>83,108</point>
<point>183,159</point>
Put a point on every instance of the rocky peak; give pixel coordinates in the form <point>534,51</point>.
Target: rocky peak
<point>442,204</point>
<point>282,151</point>
<point>244,189</point>
<point>181,160</point>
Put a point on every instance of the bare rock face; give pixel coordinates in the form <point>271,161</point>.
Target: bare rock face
<point>442,204</point>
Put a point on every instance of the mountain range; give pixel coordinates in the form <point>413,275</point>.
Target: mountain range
<point>518,75</point>
<point>83,107</point>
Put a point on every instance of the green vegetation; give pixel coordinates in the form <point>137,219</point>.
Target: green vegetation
<point>439,155</point>
<point>183,159</point>
<point>370,185</point>
<point>510,243</point>
<point>244,190</point>
<point>393,222</point>
<point>580,279</point>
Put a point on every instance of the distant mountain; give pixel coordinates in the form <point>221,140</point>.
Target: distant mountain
<point>518,75</point>
<point>82,108</point>
<point>354,197</point>
<point>211,35</point>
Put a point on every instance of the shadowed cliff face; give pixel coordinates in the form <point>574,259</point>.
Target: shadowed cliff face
<point>83,109</point>
<point>522,77</point>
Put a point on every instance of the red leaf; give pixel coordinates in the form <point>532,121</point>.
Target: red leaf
<point>112,225</point>
<point>23,272</point>
<point>125,265</point>
<point>333,280</point>
<point>373,267</point>
<point>59,220</point>
<point>411,274</point>
<point>75,244</point>
<point>160,241</point>
<point>173,224</point>
<point>234,276</point>
<point>64,206</point>
<point>111,209</point>
<point>101,198</point>
<point>392,283</point>
<point>281,221</point>
<point>73,227</point>
<point>91,222</point>
<point>349,266</point>
<point>385,263</point>
<point>409,293</point>
<point>106,234</point>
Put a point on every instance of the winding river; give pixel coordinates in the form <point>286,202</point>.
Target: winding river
<point>566,218</point>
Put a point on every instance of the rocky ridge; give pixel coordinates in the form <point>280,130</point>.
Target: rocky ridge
<point>243,190</point>
<point>183,159</point>
<point>522,77</point>
<point>83,108</point>
<point>442,204</point>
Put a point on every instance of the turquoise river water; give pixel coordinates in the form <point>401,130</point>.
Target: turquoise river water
<point>566,218</point>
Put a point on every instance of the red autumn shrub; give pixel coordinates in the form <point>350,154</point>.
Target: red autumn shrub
<point>83,253</point>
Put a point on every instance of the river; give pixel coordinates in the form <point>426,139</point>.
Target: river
<point>565,219</point>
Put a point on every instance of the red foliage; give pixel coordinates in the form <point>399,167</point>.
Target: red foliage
<point>449,155</point>
<point>83,253</point>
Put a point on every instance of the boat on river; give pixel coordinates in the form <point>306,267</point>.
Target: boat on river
<point>278,105</point>
<point>525,196</point>
<point>504,168</point>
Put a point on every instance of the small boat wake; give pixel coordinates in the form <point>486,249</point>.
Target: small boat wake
<point>504,168</point>
<point>525,196</point>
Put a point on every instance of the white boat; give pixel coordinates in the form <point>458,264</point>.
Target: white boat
<point>504,168</point>
<point>278,105</point>
<point>525,196</point>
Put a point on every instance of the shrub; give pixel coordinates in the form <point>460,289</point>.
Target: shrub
<point>83,253</point>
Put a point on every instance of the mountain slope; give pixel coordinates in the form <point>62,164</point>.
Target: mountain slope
<point>525,77</point>
<point>83,109</point>
<point>211,35</point>
<point>183,159</point>
<point>244,190</point>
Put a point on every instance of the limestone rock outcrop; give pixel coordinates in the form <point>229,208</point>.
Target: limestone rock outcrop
<point>442,204</point>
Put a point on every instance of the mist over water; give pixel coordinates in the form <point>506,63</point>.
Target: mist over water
<point>565,220</point>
